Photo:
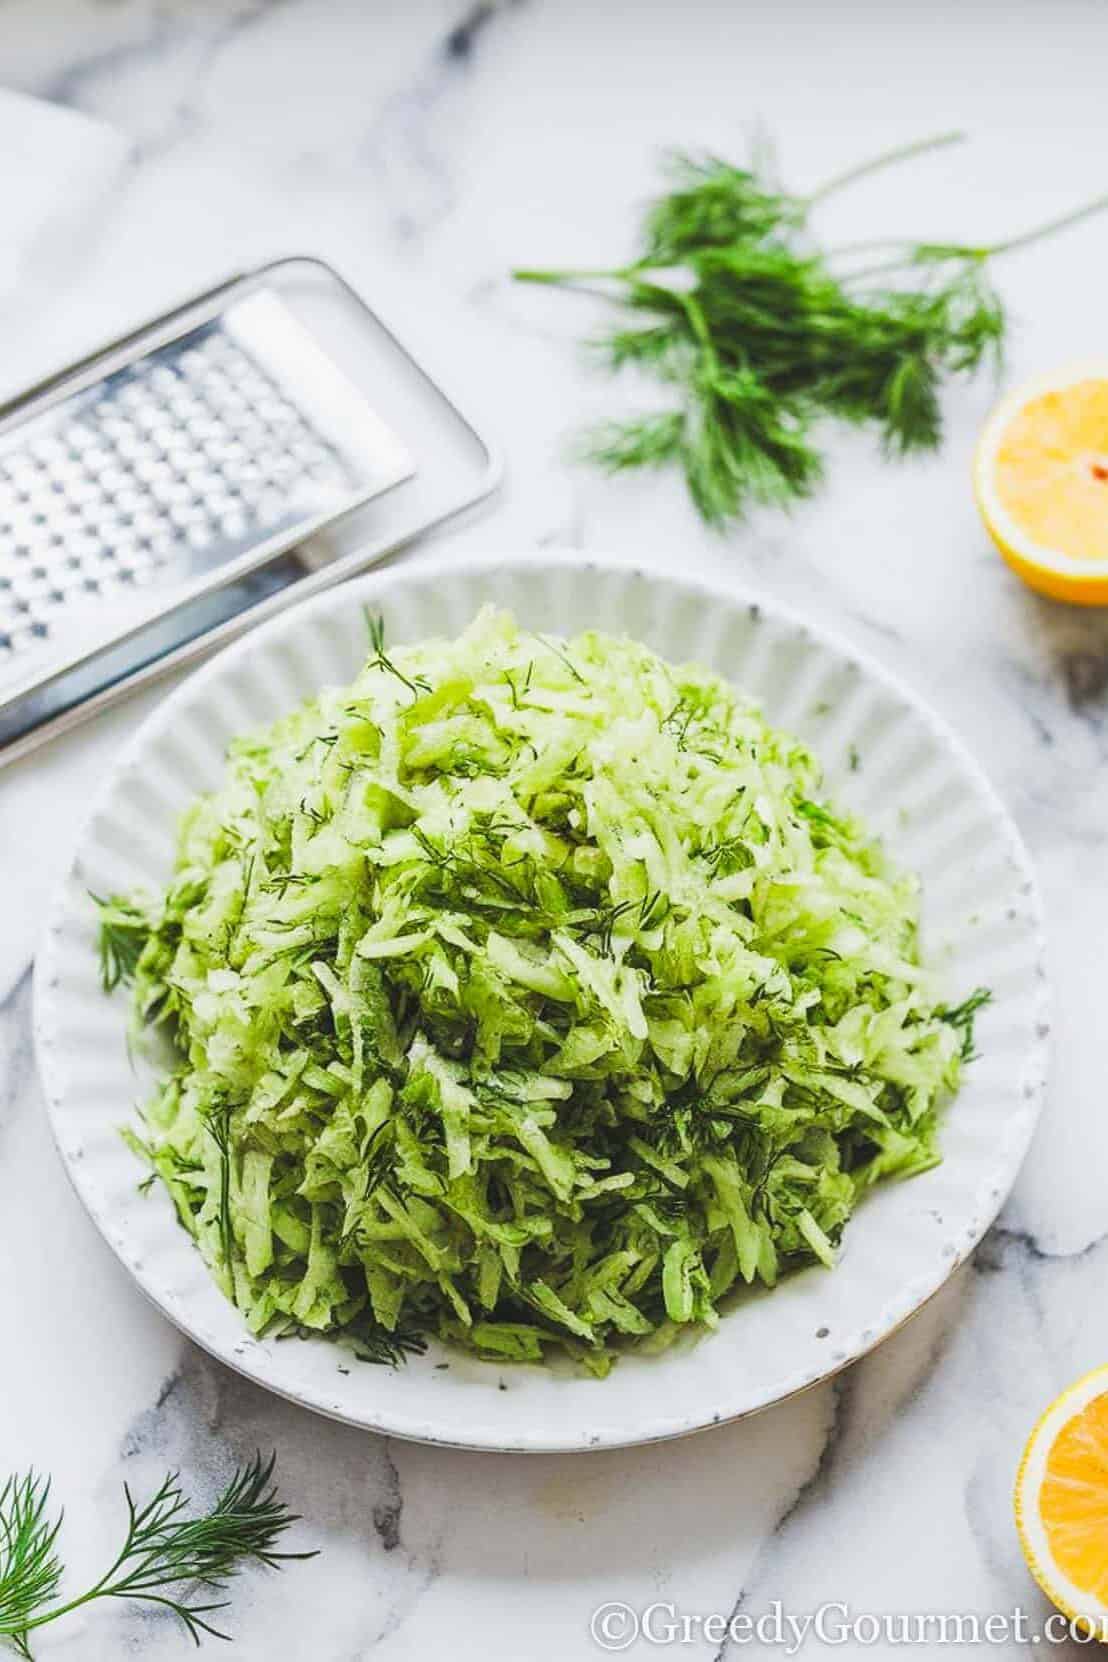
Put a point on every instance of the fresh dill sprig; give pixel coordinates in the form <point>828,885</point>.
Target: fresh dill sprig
<point>375,629</point>
<point>218,1120</point>
<point>30,1568</point>
<point>963,1016</point>
<point>756,335</point>
<point>122,933</point>
<point>166,1558</point>
<point>387,1349</point>
<point>375,625</point>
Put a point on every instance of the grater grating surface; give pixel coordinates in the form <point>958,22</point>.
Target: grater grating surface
<point>204,471</point>
<point>178,462</point>
<point>175,468</point>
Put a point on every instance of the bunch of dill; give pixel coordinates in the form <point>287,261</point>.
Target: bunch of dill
<point>758,334</point>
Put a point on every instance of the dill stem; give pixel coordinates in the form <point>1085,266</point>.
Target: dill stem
<point>101,1588</point>
<point>106,1587</point>
<point>1037,232</point>
<point>963,251</point>
<point>698,323</point>
<point>888,158</point>
<point>881,269</point>
<point>869,245</point>
<point>618,274</point>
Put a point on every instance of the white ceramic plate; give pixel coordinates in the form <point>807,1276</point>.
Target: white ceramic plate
<point>915,785</point>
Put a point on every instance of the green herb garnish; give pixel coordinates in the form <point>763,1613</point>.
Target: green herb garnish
<point>545,1007</point>
<point>756,334</point>
<point>121,936</point>
<point>963,1018</point>
<point>166,1559</point>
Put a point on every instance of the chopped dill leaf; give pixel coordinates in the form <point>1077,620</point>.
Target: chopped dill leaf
<point>963,1016</point>
<point>122,933</point>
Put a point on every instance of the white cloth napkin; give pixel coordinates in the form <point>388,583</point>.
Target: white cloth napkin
<point>58,167</point>
<point>59,170</point>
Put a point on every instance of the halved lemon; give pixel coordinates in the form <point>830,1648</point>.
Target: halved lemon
<point>1062,1503</point>
<point>1041,476</point>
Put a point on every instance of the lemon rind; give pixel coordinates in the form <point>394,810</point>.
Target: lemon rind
<point>1080,1607</point>
<point>1026,556</point>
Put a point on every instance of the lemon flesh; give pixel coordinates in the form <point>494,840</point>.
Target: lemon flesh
<point>1061,1503</point>
<point>1073,1500</point>
<point>1042,485</point>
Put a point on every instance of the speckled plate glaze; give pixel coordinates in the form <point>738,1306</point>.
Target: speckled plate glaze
<point>916,786</point>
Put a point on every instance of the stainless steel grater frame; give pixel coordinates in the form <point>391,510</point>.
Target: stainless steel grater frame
<point>370,450</point>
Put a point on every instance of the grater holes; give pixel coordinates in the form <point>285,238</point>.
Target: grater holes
<point>192,452</point>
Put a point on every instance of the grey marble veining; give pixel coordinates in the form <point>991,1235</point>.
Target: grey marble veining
<point>427,148</point>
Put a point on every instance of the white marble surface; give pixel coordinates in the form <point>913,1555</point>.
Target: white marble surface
<point>426,148</point>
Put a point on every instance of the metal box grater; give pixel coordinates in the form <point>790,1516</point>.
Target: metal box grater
<point>150,496</point>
